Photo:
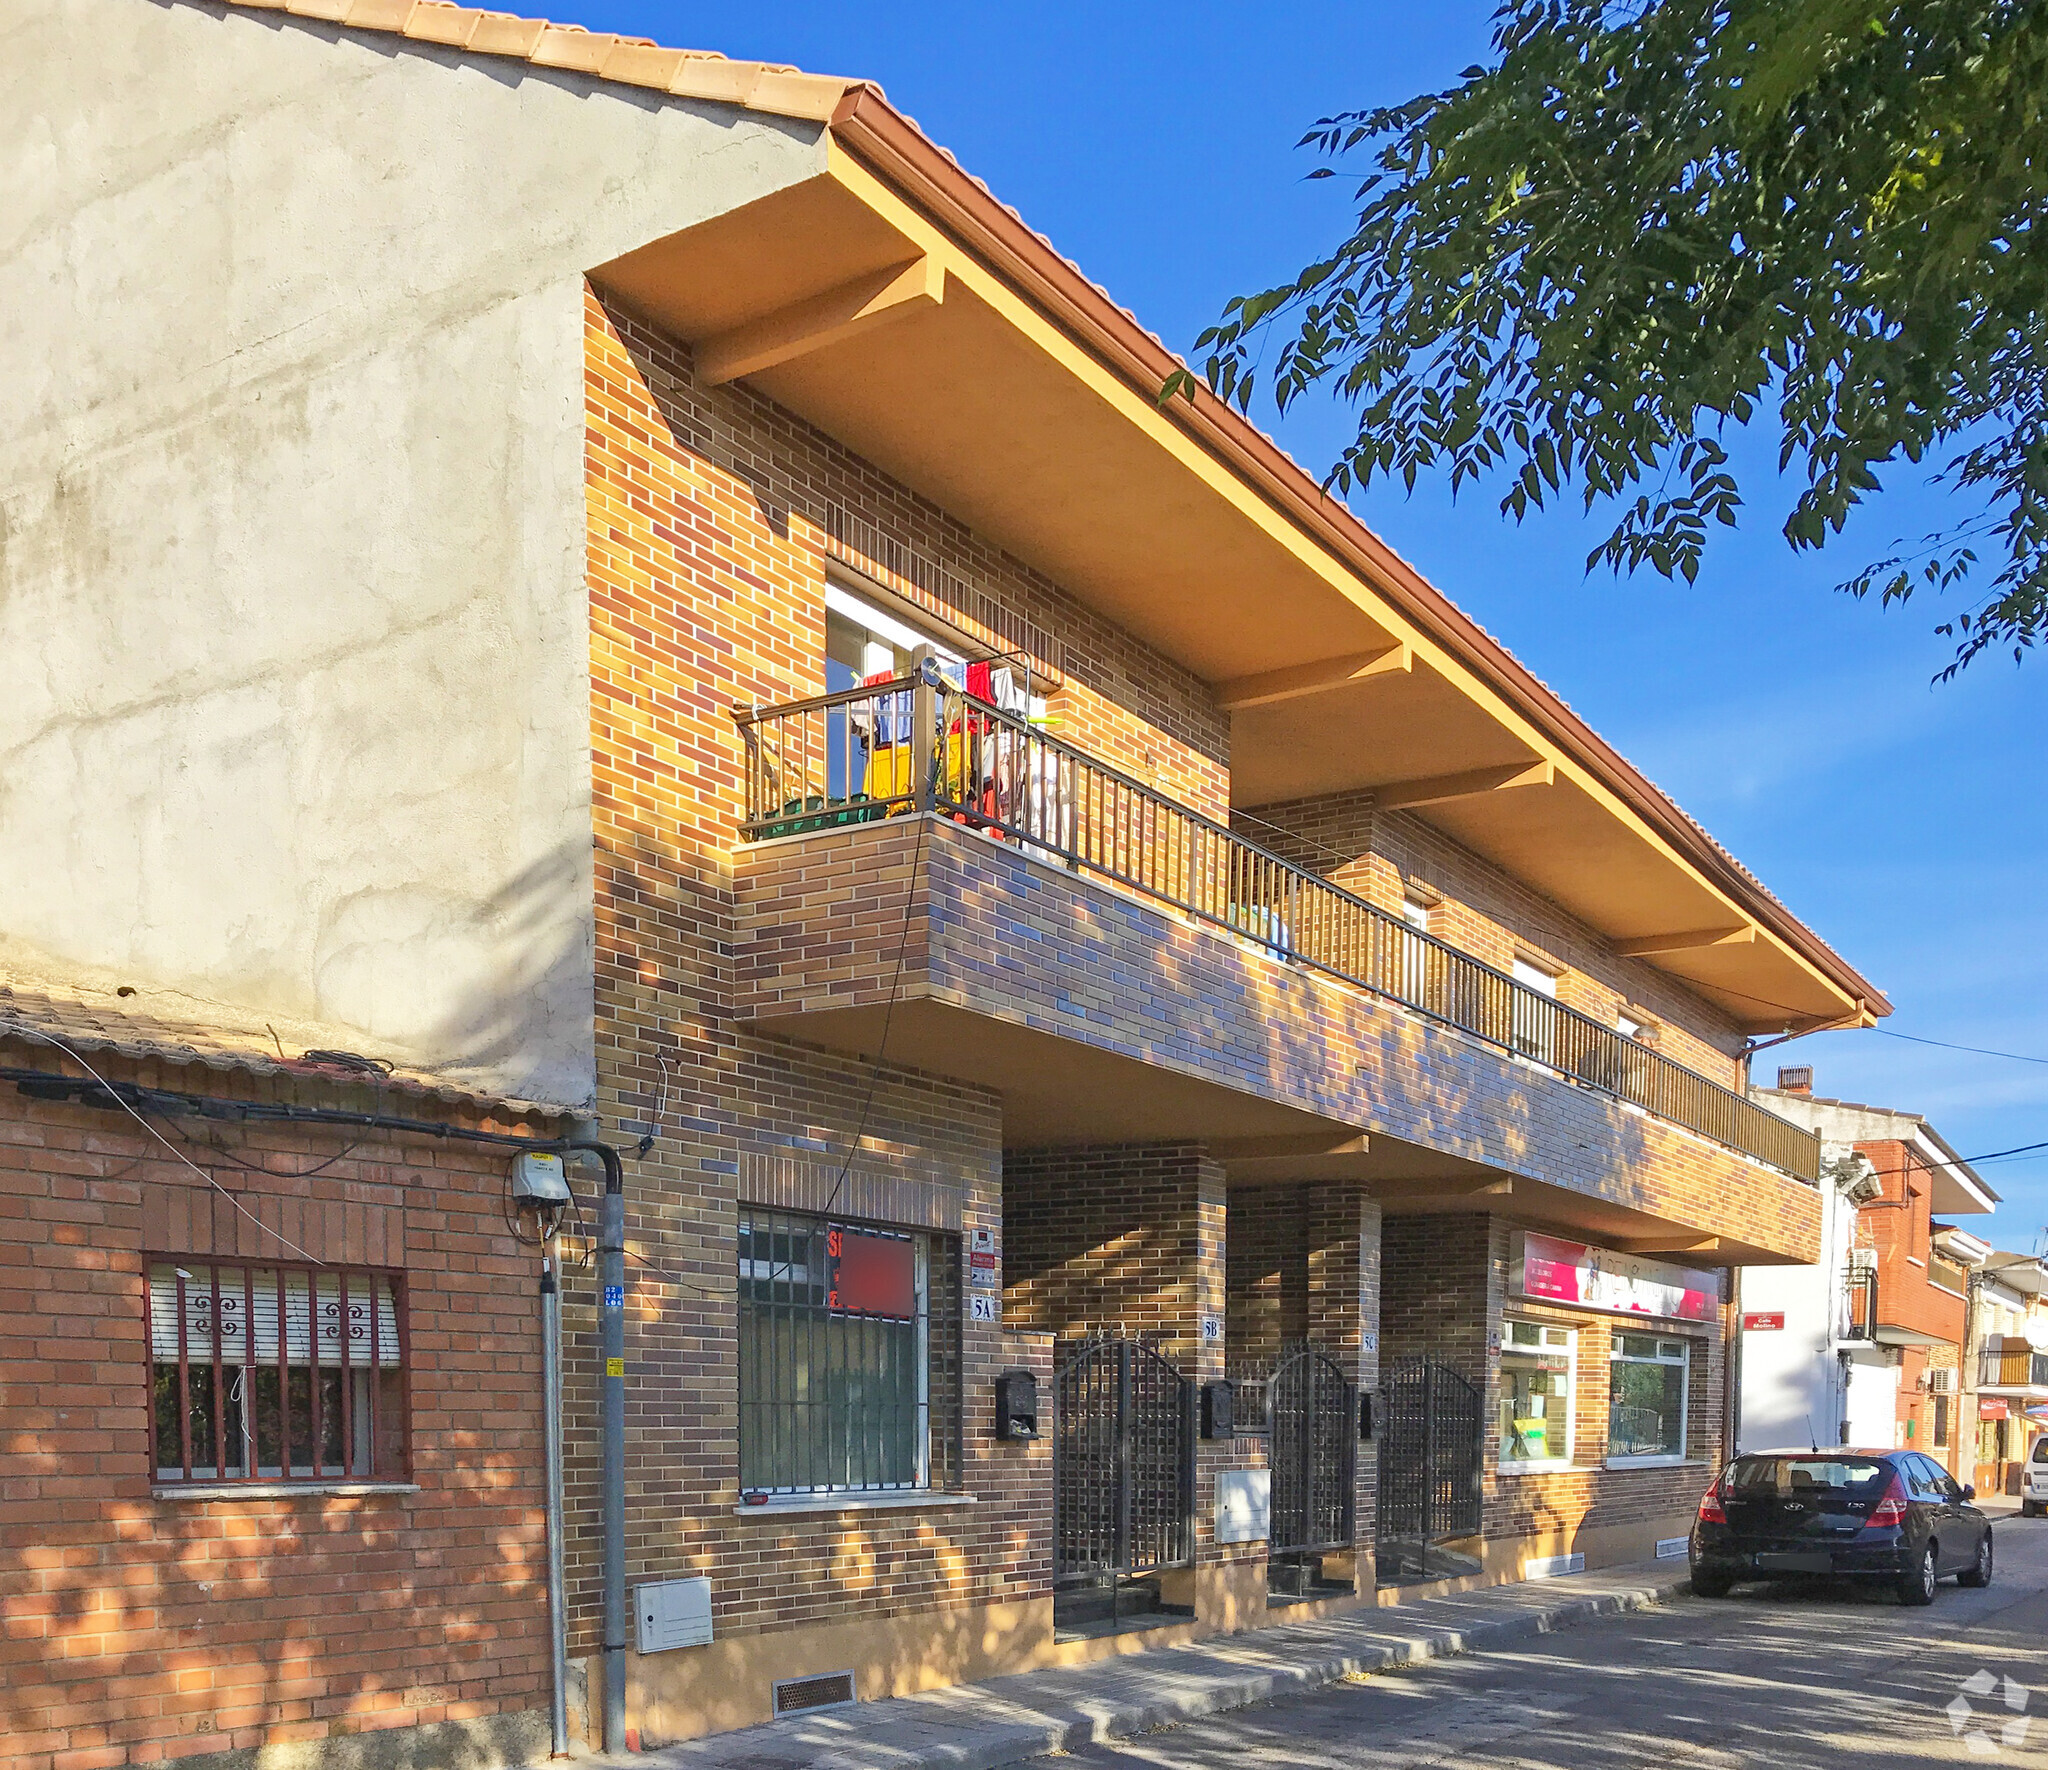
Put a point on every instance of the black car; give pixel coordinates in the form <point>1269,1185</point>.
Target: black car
<point>1892,1515</point>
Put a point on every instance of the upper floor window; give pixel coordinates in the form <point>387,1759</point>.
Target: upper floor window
<point>269,1373</point>
<point>864,642</point>
<point>1535,1023</point>
<point>1627,1025</point>
<point>1415,911</point>
<point>840,1369</point>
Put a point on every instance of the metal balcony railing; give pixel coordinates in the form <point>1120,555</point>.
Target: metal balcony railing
<point>2012,1369</point>
<point>918,743</point>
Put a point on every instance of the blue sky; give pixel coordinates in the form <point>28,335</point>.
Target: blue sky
<point>1906,823</point>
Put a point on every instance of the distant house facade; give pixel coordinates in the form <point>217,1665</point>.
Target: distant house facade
<point>1157,1081</point>
<point>1868,1345</point>
<point>2007,1364</point>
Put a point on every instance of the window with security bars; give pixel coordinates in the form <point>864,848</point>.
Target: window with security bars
<point>848,1356</point>
<point>276,1373</point>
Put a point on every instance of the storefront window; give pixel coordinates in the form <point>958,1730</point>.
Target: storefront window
<point>1647,1389</point>
<point>1537,1365</point>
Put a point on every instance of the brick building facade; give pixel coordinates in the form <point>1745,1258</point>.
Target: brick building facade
<point>1021,899</point>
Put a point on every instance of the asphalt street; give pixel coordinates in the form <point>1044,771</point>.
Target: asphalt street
<point>1821,1675</point>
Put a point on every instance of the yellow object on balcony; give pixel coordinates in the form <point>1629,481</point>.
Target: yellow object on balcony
<point>891,770</point>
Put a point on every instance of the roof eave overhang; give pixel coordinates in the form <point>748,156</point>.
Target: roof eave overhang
<point>944,306</point>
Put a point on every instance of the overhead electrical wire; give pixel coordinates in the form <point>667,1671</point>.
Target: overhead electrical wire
<point>176,1153</point>
<point>1944,1044</point>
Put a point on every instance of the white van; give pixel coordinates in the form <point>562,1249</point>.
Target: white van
<point>2034,1487</point>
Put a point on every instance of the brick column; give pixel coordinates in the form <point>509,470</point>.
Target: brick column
<point>1341,1232</point>
<point>1268,1273</point>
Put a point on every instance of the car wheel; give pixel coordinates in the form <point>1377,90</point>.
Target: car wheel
<point>1979,1573</point>
<point>1707,1584</point>
<point>2028,1509</point>
<point>1916,1584</point>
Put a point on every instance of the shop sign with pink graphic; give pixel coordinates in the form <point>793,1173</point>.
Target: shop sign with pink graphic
<point>1625,1284</point>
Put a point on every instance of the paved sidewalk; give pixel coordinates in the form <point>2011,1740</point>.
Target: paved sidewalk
<point>979,1726</point>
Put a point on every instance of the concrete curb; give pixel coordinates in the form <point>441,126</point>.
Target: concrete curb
<point>967,1736</point>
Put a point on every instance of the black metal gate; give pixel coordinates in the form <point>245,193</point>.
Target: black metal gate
<point>1430,1449</point>
<point>1312,1421</point>
<point>1123,1464</point>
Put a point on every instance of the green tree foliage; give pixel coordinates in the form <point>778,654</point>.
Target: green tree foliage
<point>1650,222</point>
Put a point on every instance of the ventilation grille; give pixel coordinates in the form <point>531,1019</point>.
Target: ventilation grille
<point>829,1690</point>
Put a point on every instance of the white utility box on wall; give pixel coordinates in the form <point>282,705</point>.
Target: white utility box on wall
<point>1244,1505</point>
<point>673,1613</point>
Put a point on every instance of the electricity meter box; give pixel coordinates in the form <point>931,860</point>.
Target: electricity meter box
<point>672,1613</point>
<point>538,1178</point>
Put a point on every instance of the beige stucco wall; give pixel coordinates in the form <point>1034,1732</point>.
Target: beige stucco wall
<point>292,599</point>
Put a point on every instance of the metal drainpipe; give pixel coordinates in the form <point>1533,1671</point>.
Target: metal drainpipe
<point>551,1412</point>
<point>1731,1364</point>
<point>611,1335</point>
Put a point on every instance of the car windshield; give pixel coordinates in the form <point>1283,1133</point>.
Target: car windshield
<point>1754,1477</point>
<point>2041,1451</point>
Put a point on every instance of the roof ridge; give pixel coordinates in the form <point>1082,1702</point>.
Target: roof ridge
<point>772,87</point>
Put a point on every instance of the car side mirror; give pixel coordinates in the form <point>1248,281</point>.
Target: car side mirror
<point>1969,1491</point>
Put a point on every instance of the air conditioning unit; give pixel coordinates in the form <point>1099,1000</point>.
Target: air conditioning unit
<point>1941,1382</point>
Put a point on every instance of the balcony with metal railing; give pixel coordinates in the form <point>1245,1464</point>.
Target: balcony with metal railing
<point>2012,1368</point>
<point>919,744</point>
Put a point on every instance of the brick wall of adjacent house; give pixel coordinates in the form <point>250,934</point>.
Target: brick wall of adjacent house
<point>139,1628</point>
<point>1900,1228</point>
<point>1445,1294</point>
<point>1493,916</point>
<point>997,932</point>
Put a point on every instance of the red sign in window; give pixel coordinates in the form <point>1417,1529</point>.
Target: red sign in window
<point>871,1274</point>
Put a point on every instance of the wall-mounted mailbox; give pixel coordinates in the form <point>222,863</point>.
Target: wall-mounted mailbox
<point>1016,1406</point>
<point>1219,1409</point>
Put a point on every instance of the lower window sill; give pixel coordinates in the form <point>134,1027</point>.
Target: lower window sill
<point>276,1490</point>
<point>1655,1463</point>
<point>784,1505</point>
<point>1550,1468</point>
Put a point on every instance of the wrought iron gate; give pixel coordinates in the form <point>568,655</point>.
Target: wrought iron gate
<point>1430,1448</point>
<point>1312,1450</point>
<point>1123,1464</point>
<point>1312,1409</point>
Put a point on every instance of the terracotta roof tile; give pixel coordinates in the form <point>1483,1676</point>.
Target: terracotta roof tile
<point>92,1020</point>
<point>630,61</point>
